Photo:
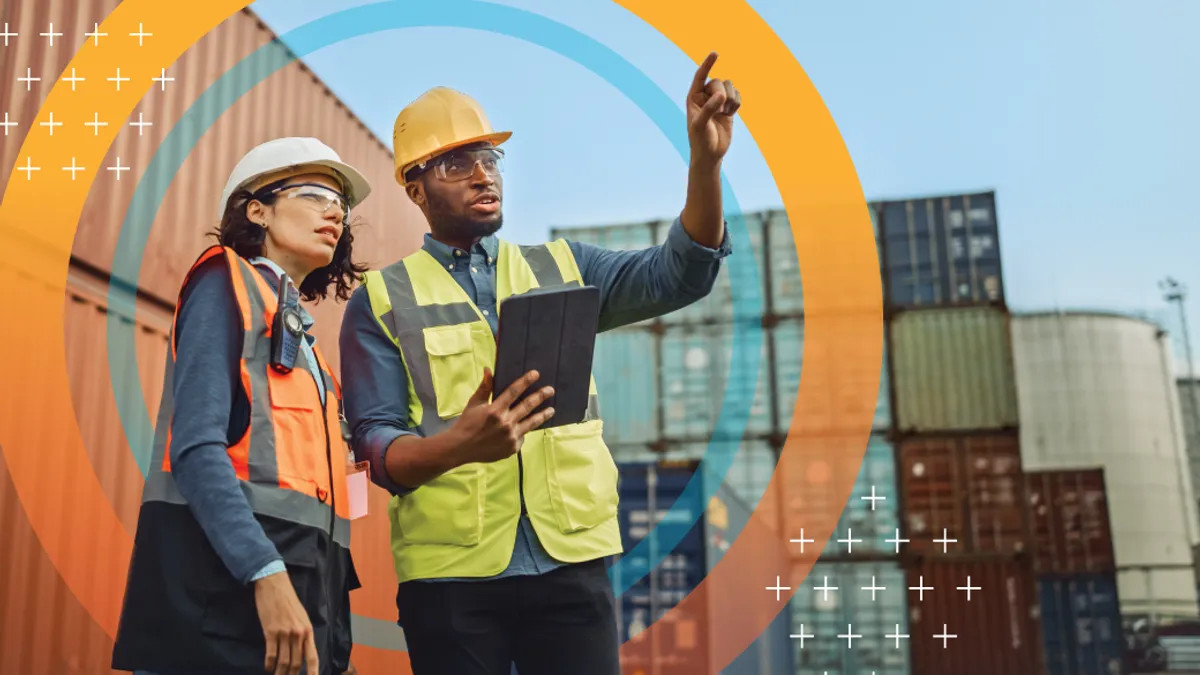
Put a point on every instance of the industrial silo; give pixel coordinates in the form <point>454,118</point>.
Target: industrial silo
<point>1097,390</point>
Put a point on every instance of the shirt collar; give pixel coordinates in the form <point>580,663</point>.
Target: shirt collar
<point>446,255</point>
<point>273,279</point>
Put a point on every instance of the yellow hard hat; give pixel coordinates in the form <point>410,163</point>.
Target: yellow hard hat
<point>441,119</point>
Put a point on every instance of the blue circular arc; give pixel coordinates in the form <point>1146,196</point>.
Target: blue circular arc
<point>471,14</point>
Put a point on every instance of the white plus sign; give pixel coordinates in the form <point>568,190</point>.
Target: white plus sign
<point>118,168</point>
<point>944,636</point>
<point>96,34</point>
<point>163,79</point>
<point>873,588</point>
<point>801,636</point>
<point>945,540</point>
<point>51,123</point>
<point>849,636</point>
<point>922,588</point>
<point>850,541</point>
<point>140,124</point>
<point>139,35</point>
<point>7,124</point>
<point>51,34</point>
<point>968,588</point>
<point>802,541</point>
<point>29,168</point>
<point>7,34</point>
<point>873,498</point>
<point>825,589</point>
<point>777,588</point>
<point>28,78</point>
<point>96,124</point>
<point>72,79</point>
<point>118,79</point>
<point>897,636</point>
<point>73,169</point>
<point>897,541</point>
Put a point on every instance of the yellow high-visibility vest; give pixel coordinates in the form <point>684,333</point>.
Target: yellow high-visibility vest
<point>464,522</point>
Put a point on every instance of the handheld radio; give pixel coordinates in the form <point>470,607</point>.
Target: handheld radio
<point>287,329</point>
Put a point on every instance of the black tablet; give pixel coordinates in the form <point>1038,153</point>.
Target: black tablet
<point>553,331</point>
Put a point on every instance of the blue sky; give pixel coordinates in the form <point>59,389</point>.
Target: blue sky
<point>1082,115</point>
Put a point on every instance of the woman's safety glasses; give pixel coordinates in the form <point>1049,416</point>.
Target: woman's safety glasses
<point>319,196</point>
<point>459,165</point>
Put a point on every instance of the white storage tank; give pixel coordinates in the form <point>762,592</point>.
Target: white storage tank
<point>1097,390</point>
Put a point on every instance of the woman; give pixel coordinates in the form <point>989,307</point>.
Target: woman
<point>241,560</point>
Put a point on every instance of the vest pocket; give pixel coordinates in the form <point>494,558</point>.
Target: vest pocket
<point>582,476</point>
<point>447,510</point>
<point>451,366</point>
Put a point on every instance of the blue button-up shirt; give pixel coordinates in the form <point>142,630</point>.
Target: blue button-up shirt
<point>634,286</point>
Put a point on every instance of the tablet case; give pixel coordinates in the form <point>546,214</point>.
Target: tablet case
<point>553,331</point>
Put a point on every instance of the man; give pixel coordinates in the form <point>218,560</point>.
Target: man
<point>500,530</point>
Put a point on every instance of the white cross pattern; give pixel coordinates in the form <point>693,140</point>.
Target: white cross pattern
<point>873,498</point>
<point>897,636</point>
<point>118,79</point>
<point>7,124</point>
<point>72,79</point>
<point>73,169</point>
<point>118,168</point>
<point>51,34</point>
<point>163,79</point>
<point>29,168</point>
<point>802,541</point>
<point>140,124</point>
<point>850,636</point>
<point>873,588</point>
<point>825,589</point>
<point>945,540</point>
<point>897,541</point>
<point>777,588</point>
<point>7,34</point>
<point>96,124</point>
<point>944,636</point>
<point>140,34</point>
<point>51,123</point>
<point>28,78</point>
<point>850,541</point>
<point>968,588</point>
<point>801,636</point>
<point>922,588</point>
<point>96,33</point>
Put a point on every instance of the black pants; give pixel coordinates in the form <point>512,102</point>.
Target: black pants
<point>559,623</point>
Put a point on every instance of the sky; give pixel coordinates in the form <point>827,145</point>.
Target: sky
<point>1082,115</point>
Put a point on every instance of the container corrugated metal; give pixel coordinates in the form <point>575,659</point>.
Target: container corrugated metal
<point>737,278</point>
<point>1099,390</point>
<point>750,463</point>
<point>626,371</point>
<point>1071,526</point>
<point>686,648</point>
<point>952,370</point>
<point>1081,624</point>
<point>996,631</point>
<point>942,251</point>
<point>968,490</point>
<point>851,610</point>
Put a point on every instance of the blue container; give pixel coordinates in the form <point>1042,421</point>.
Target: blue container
<point>865,524</point>
<point>625,365</point>
<point>1081,624</point>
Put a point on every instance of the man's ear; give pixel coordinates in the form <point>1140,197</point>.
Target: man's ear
<point>416,192</point>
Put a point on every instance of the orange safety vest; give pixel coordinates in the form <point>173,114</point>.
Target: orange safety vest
<point>183,609</point>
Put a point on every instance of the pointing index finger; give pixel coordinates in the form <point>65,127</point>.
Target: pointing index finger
<point>702,74</point>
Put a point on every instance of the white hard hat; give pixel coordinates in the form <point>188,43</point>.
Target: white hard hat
<point>282,155</point>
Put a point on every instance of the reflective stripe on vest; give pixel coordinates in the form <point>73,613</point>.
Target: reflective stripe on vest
<point>462,523</point>
<point>291,460</point>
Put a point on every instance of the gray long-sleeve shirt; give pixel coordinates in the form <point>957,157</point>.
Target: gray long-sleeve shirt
<point>634,286</point>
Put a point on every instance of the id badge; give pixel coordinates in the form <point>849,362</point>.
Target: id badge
<point>357,482</point>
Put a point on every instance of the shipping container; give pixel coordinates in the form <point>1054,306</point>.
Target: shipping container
<point>1071,527</point>
<point>952,370</point>
<point>991,629</point>
<point>865,599</point>
<point>963,495</point>
<point>626,369</point>
<point>1081,624</point>
<point>707,530</point>
<point>1099,390</point>
<point>942,251</point>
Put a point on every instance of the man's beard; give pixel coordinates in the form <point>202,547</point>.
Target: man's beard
<point>462,226</point>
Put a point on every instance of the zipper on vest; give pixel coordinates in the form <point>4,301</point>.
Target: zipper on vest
<point>521,481</point>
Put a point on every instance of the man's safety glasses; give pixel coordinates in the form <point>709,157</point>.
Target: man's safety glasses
<point>459,165</point>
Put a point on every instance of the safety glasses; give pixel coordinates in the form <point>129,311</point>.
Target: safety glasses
<point>318,196</point>
<point>459,165</point>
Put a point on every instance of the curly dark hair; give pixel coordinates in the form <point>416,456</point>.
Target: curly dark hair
<point>246,239</point>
